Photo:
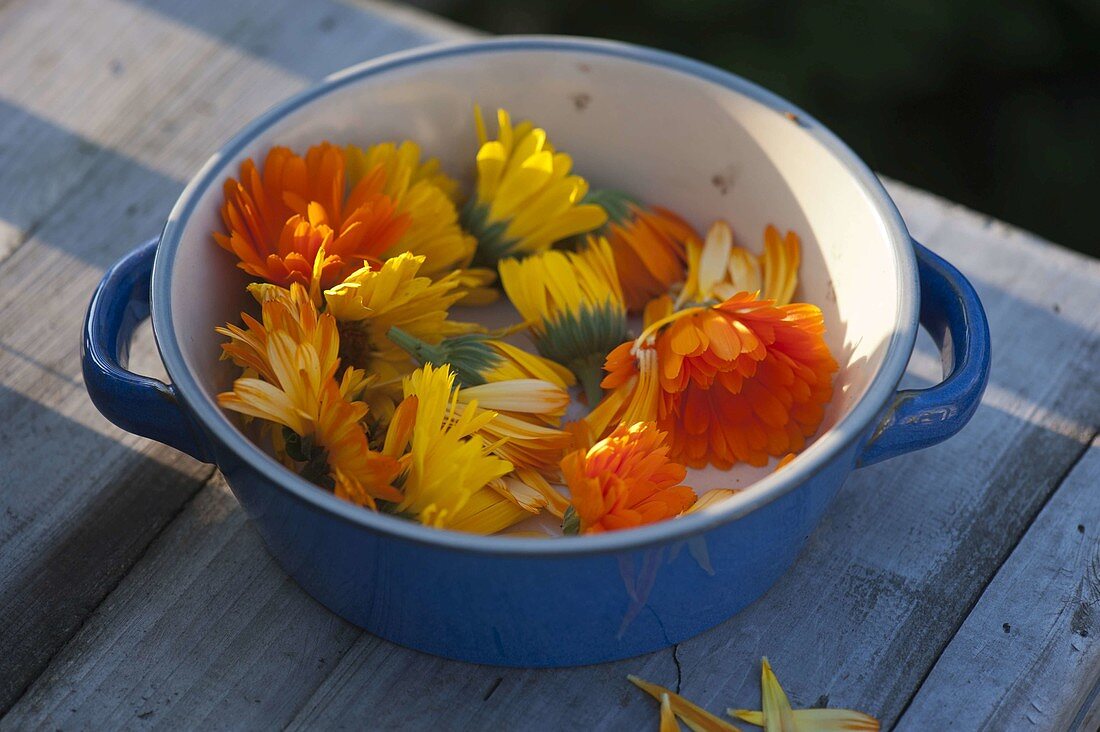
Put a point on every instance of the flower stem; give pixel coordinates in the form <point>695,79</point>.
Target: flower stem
<point>589,372</point>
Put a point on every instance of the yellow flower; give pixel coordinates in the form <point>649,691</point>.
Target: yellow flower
<point>719,269</point>
<point>427,195</point>
<point>490,509</point>
<point>525,199</point>
<point>371,301</point>
<point>573,305</point>
<point>402,168</point>
<point>479,358</point>
<point>294,354</point>
<point>448,463</point>
<point>519,436</point>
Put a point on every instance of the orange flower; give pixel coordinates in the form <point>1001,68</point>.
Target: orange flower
<point>740,381</point>
<point>626,480</point>
<point>743,380</point>
<point>295,221</point>
<point>293,353</point>
<point>649,245</point>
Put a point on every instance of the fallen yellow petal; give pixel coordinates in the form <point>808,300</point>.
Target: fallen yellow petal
<point>695,717</point>
<point>668,719</point>
<point>776,706</point>
<point>816,720</point>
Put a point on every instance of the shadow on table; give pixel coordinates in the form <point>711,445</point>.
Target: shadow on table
<point>79,508</point>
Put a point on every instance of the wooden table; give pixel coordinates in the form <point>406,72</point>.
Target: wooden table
<point>957,588</point>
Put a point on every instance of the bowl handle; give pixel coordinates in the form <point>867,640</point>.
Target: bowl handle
<point>138,404</point>
<point>952,314</point>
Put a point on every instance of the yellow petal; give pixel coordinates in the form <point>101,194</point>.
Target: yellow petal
<point>530,396</point>
<point>715,257</point>
<point>711,499</point>
<point>668,719</point>
<point>744,271</point>
<point>776,706</point>
<point>816,720</point>
<point>695,717</point>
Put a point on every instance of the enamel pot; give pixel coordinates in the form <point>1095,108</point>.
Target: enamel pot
<point>669,130</point>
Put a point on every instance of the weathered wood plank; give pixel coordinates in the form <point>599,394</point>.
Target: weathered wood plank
<point>1028,655</point>
<point>889,575</point>
<point>105,109</point>
<point>206,616</point>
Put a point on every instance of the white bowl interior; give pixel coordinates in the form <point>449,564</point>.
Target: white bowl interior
<point>664,136</point>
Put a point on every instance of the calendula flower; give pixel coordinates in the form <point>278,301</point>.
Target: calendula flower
<point>519,436</point>
<point>649,244</point>
<point>525,199</point>
<point>626,480</point>
<point>280,219</point>
<point>738,381</point>
<point>718,269</point>
<point>479,358</point>
<point>294,354</point>
<point>490,509</point>
<point>743,380</point>
<point>421,191</point>
<point>448,463</point>
<point>776,712</point>
<point>573,305</point>
<point>372,301</point>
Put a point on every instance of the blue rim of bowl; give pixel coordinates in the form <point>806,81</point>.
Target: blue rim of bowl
<point>825,447</point>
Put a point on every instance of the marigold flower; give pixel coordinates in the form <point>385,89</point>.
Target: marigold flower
<point>448,463</point>
<point>731,379</point>
<point>426,195</point>
<point>525,198</point>
<point>294,354</point>
<point>520,437</point>
<point>626,480</point>
<point>743,381</point>
<point>718,269</point>
<point>573,305</point>
<point>479,358</point>
<point>372,301</point>
<point>281,218</point>
<point>649,244</point>
<point>489,510</point>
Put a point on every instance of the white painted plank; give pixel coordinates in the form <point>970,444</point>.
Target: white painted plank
<point>1028,655</point>
<point>105,109</point>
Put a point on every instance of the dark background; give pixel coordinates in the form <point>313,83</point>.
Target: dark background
<point>992,105</point>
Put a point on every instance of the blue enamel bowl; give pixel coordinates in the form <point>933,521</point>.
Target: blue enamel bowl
<point>670,130</point>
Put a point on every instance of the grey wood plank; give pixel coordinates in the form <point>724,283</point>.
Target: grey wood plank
<point>1028,655</point>
<point>105,109</point>
<point>897,529</point>
<point>859,621</point>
